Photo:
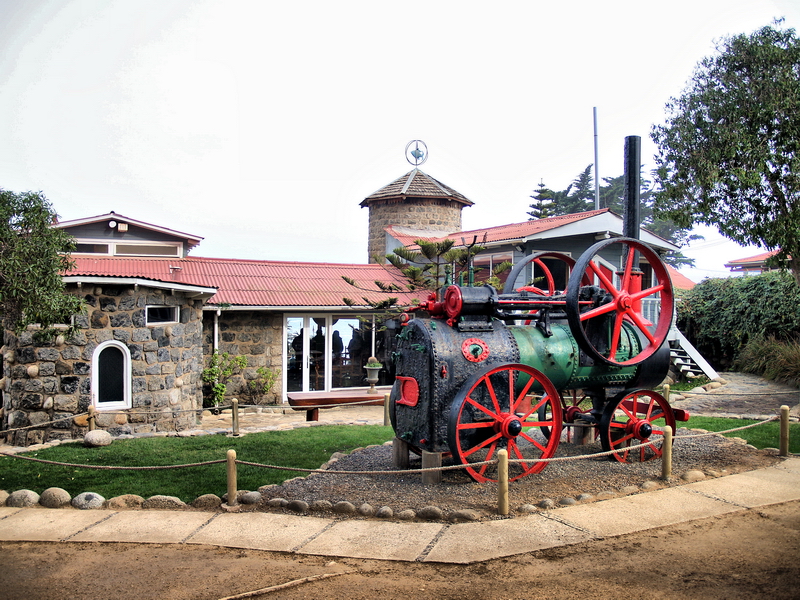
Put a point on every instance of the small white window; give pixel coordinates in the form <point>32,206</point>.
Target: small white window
<point>111,376</point>
<point>158,315</point>
<point>147,250</point>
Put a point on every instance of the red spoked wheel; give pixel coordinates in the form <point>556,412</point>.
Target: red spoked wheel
<point>491,413</point>
<point>536,259</point>
<point>573,404</point>
<point>597,322</point>
<point>633,418</point>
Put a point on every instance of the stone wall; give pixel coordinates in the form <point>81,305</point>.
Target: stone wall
<point>257,335</point>
<point>429,214</point>
<point>50,380</point>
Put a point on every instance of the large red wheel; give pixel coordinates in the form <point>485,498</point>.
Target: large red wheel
<point>491,412</point>
<point>596,319</point>
<point>633,418</point>
<point>536,259</point>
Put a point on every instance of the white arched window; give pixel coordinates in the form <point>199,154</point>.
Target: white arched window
<point>111,376</point>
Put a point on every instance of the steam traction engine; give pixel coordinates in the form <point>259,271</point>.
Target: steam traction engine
<point>478,371</point>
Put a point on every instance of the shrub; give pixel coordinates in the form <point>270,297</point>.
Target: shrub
<point>720,316</point>
<point>220,368</point>
<point>774,359</point>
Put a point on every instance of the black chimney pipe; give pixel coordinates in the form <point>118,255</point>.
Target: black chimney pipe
<point>633,183</point>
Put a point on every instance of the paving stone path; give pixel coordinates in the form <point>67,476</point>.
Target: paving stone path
<point>743,396</point>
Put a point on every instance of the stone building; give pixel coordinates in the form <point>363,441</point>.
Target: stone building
<point>153,317</point>
<point>154,314</point>
<point>416,203</point>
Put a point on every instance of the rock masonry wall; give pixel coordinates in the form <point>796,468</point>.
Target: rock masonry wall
<point>257,335</point>
<point>429,214</point>
<point>46,381</point>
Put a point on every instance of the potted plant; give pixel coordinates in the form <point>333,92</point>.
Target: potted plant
<point>373,368</point>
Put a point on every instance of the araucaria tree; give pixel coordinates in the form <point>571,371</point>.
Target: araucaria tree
<point>33,254</point>
<point>729,152</point>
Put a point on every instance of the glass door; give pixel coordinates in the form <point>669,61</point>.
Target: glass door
<point>307,353</point>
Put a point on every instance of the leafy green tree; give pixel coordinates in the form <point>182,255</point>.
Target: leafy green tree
<point>543,201</point>
<point>612,196</point>
<point>729,152</point>
<point>579,197</point>
<point>33,254</point>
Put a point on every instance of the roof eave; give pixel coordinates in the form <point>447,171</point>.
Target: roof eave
<point>194,291</point>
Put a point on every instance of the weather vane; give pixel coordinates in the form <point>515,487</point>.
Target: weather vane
<point>418,154</point>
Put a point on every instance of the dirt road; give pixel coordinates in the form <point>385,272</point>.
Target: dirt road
<point>749,555</point>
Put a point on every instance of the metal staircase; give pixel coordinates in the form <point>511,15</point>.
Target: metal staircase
<point>686,358</point>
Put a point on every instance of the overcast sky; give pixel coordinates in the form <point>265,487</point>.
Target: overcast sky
<point>261,125</point>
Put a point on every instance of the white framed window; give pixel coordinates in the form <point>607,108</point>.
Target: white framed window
<point>111,376</point>
<point>160,315</point>
<point>132,249</point>
<point>128,248</point>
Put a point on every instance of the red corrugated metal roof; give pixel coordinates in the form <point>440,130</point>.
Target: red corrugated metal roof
<point>752,260</point>
<point>254,282</point>
<point>679,280</point>
<point>513,231</point>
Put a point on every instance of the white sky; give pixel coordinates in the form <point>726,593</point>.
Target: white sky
<point>261,125</point>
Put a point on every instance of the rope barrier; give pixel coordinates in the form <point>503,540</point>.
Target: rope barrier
<point>402,472</point>
<point>715,393</point>
<point>699,435</point>
<point>112,467</point>
<point>44,424</point>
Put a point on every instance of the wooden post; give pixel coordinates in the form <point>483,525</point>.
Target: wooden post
<point>231,456</point>
<point>92,416</point>
<point>235,416</point>
<point>666,392</point>
<point>666,454</point>
<point>784,442</point>
<point>386,420</point>
<point>431,460</point>
<point>399,453</point>
<point>502,482</point>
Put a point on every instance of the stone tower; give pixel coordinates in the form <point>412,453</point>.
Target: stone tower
<point>415,201</point>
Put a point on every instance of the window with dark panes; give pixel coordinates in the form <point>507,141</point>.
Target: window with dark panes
<point>111,375</point>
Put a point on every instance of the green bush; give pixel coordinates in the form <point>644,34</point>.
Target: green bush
<point>720,316</point>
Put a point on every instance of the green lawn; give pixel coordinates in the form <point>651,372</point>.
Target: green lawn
<point>763,436</point>
<point>305,448</point>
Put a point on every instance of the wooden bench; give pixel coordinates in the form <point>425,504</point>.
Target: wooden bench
<point>317,400</point>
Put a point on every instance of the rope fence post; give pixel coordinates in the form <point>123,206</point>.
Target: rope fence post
<point>431,460</point>
<point>235,416</point>
<point>386,420</point>
<point>784,442</point>
<point>666,392</point>
<point>231,468</point>
<point>502,482</point>
<point>92,416</point>
<point>666,454</point>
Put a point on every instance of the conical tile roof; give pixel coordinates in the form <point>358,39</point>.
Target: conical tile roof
<point>416,184</point>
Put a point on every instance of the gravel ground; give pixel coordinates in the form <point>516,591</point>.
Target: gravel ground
<point>600,477</point>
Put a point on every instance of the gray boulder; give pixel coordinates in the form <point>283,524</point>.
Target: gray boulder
<point>23,499</point>
<point>88,501</point>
